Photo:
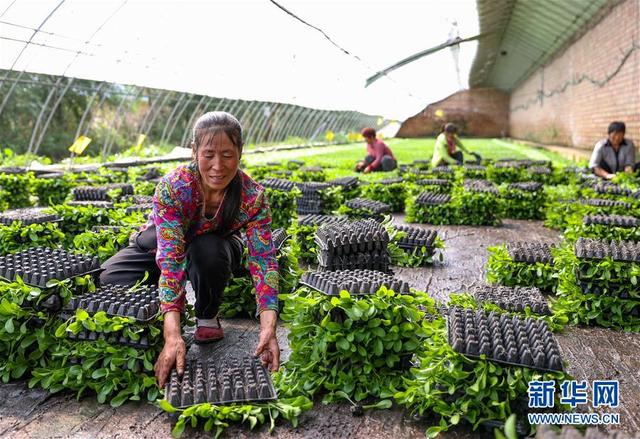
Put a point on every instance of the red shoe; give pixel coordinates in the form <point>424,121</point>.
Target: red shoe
<point>205,334</point>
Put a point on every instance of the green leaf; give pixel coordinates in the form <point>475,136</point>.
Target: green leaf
<point>8,326</point>
<point>81,315</point>
<point>510,427</point>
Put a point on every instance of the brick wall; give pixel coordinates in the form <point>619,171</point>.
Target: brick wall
<point>480,112</point>
<point>579,116</point>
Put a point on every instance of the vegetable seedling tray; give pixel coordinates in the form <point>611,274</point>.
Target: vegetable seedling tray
<point>279,237</point>
<point>317,220</point>
<point>601,202</point>
<point>511,340</point>
<point>38,265</point>
<point>118,300</point>
<point>512,298</point>
<point>356,282</point>
<point>27,216</point>
<point>433,182</point>
<point>100,193</point>
<point>345,182</point>
<point>98,204</point>
<point>278,184</point>
<point>111,338</point>
<point>530,252</point>
<point>526,186</point>
<point>624,251</point>
<point>416,237</point>
<point>610,189</point>
<point>220,382</point>
<point>353,237</point>
<point>539,170</point>
<point>378,260</point>
<point>478,185</point>
<point>443,170</point>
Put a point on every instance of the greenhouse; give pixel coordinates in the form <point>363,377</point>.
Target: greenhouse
<point>320,219</point>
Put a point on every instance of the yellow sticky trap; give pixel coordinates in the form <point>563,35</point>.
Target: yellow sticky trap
<point>141,139</point>
<point>80,145</point>
<point>380,121</point>
<point>439,113</point>
<point>329,136</point>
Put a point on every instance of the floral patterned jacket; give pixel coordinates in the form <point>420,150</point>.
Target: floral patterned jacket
<point>177,215</point>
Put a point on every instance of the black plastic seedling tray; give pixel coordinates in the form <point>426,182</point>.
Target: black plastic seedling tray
<point>354,237</point>
<point>595,249</point>
<point>375,207</point>
<point>378,260</point>
<point>345,182</point>
<point>611,189</point>
<point>526,186</point>
<point>511,340</point>
<point>530,252</point>
<point>356,282</point>
<point>138,208</point>
<point>220,382</point>
<point>389,181</point>
<point>278,184</point>
<point>416,237</point>
<point>443,170</point>
<point>100,193</point>
<point>27,216</point>
<point>474,168</point>
<point>311,169</point>
<point>317,220</point>
<point>601,202</point>
<point>612,220</point>
<point>478,185</point>
<point>434,182</point>
<point>427,198</point>
<point>38,265</point>
<point>539,170</point>
<point>118,300</point>
<point>98,204</point>
<point>279,237</point>
<point>512,298</point>
<point>111,338</point>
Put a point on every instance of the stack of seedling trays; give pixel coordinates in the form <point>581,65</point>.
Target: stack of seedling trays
<point>524,200</point>
<point>539,173</point>
<point>310,173</point>
<point>139,203</point>
<point>96,204</point>
<point>513,299</point>
<point>391,191</point>
<point>313,198</point>
<point>355,282</point>
<point>27,216</point>
<point>306,230</point>
<point>427,198</point>
<point>431,207</point>
<point>503,338</point>
<point>38,265</point>
<point>365,208</point>
<point>356,245</point>
<point>505,172</point>
<point>605,203</point>
<point>101,193</point>
<point>526,264</point>
<point>349,185</point>
<point>283,199</point>
<point>233,380</point>
<point>417,243</point>
<point>279,237</point>
<point>474,171</point>
<point>278,184</point>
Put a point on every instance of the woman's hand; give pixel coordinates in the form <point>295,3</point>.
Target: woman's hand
<point>367,169</point>
<point>268,349</point>
<point>174,350</point>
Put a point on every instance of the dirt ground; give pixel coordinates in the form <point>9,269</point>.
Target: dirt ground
<point>591,353</point>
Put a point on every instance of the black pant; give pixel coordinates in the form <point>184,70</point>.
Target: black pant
<point>458,156</point>
<point>211,259</point>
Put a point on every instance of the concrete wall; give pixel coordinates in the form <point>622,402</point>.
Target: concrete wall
<point>479,112</point>
<point>561,104</point>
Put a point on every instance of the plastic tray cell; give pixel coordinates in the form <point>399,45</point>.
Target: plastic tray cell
<point>278,184</point>
<point>530,252</point>
<point>96,203</point>
<point>503,338</point>
<point>526,186</point>
<point>595,249</point>
<point>138,208</point>
<point>416,237</point>
<point>374,207</point>
<point>38,265</point>
<point>220,382</point>
<point>390,181</point>
<point>100,193</point>
<point>512,298</point>
<point>355,282</point>
<point>27,216</point>
<point>601,202</point>
<point>446,170</point>
<point>427,198</point>
<point>539,170</point>
<point>477,185</point>
<point>434,182</point>
<point>118,300</point>
<point>612,220</point>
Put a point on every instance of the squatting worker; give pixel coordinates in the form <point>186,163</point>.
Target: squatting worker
<point>444,152</point>
<point>193,233</point>
<point>379,156</point>
<point>613,154</point>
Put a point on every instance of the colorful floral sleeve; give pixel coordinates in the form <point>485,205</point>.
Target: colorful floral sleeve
<point>263,264</point>
<point>170,254</point>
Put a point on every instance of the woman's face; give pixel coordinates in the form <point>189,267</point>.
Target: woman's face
<point>616,138</point>
<point>370,139</point>
<point>218,160</point>
<point>450,136</point>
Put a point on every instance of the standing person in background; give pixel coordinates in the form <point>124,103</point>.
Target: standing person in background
<point>379,156</point>
<point>613,154</point>
<point>444,152</point>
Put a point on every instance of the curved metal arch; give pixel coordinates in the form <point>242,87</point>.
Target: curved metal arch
<point>191,120</point>
<point>107,142</point>
<point>170,117</point>
<point>53,110</point>
<point>157,112</point>
<point>178,117</point>
<point>253,134</point>
<point>41,114</point>
<point>87,109</point>
<point>120,120</point>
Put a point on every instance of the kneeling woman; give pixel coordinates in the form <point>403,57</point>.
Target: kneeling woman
<point>193,233</point>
